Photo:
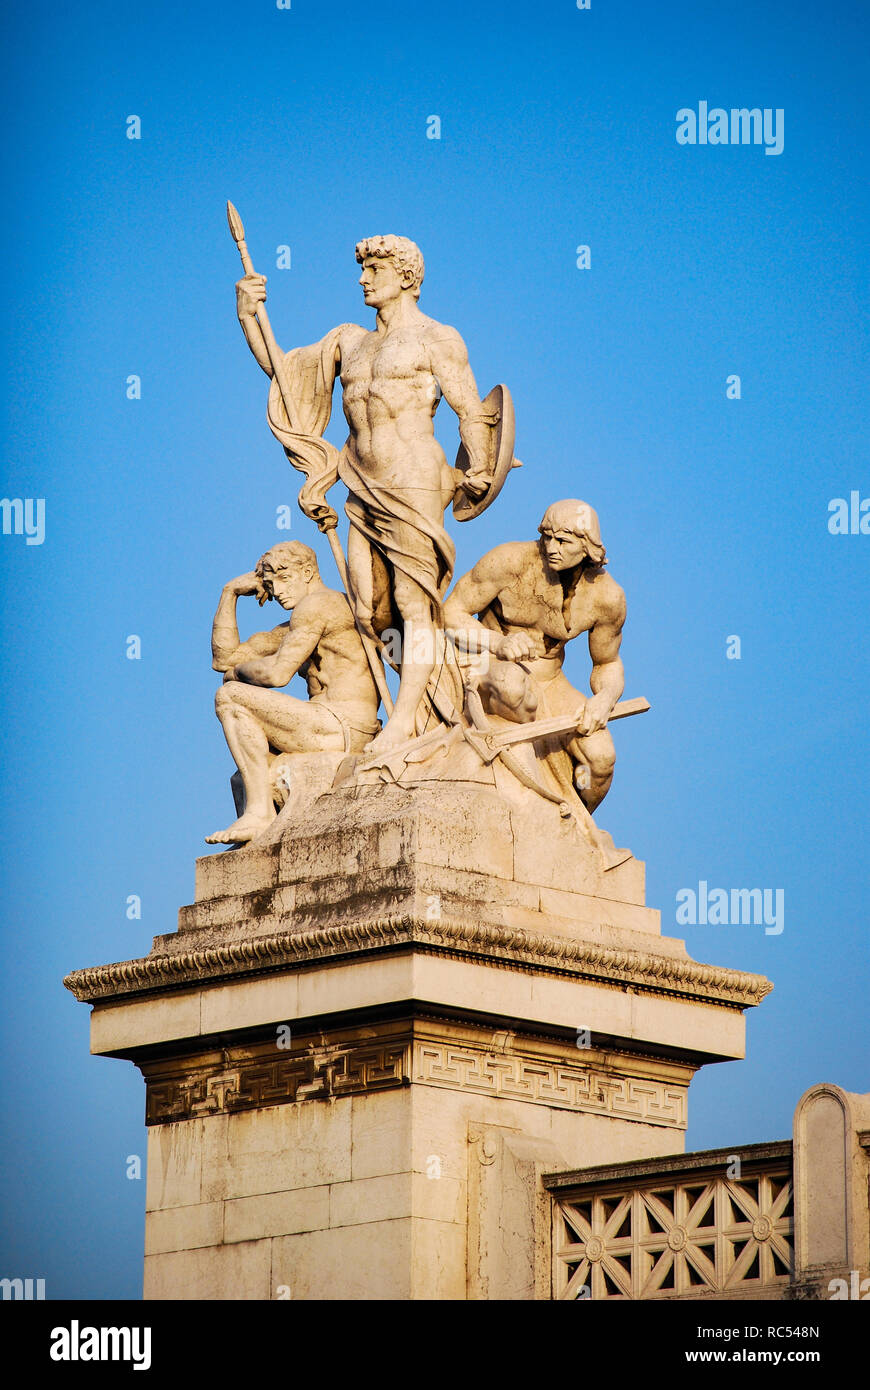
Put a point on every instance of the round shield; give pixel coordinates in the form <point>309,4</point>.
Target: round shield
<point>501,456</point>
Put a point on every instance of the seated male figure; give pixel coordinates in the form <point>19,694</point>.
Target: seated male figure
<point>321,643</point>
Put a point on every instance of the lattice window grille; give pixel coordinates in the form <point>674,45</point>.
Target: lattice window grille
<point>671,1240</point>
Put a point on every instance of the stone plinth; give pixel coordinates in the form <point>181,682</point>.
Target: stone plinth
<point>832,1188</point>
<point>354,1020</point>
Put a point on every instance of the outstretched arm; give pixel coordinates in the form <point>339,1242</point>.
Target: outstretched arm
<point>250,295</point>
<point>449,362</point>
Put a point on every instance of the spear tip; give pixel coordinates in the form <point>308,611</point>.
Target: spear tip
<point>236,224</point>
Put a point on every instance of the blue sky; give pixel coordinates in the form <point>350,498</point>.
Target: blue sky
<point>557,129</point>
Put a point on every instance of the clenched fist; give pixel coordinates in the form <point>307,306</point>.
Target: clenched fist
<point>250,294</point>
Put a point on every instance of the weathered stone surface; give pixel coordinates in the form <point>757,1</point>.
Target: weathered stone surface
<point>277,1214</point>
<point>444,1166</point>
<point>174,1176</point>
<point>357,1263</point>
<point>184,1228</point>
<point>349,1019</point>
<point>831,1187</point>
<point>217,1272</point>
<point>390,873</point>
<point>275,1149</point>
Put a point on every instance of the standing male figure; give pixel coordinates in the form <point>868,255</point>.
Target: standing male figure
<point>321,643</point>
<point>533,597</point>
<point>400,557</point>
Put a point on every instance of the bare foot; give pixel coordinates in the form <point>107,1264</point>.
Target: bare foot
<point>246,828</point>
<point>390,737</point>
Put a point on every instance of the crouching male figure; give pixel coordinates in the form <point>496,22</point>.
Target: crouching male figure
<point>532,597</point>
<point>321,643</point>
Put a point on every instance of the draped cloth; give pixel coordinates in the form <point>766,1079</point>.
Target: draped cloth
<point>411,542</point>
<point>310,375</point>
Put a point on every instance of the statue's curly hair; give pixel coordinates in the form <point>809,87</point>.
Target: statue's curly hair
<point>286,555</point>
<point>405,255</point>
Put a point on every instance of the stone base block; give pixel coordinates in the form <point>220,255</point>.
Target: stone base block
<point>370,1036</point>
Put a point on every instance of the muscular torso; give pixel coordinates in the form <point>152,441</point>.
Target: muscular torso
<point>529,601</point>
<point>336,671</point>
<point>390,395</point>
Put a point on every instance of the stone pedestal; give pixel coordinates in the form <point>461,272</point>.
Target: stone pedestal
<point>369,1037</point>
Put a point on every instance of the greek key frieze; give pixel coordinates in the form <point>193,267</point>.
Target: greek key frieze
<point>565,1085</point>
<point>252,1085</point>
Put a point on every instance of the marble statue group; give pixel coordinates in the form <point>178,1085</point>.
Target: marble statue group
<point>482,695</point>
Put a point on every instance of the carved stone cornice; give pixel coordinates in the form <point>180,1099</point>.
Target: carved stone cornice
<point>500,946</point>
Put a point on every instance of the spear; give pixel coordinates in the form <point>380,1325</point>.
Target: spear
<point>276,357</point>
